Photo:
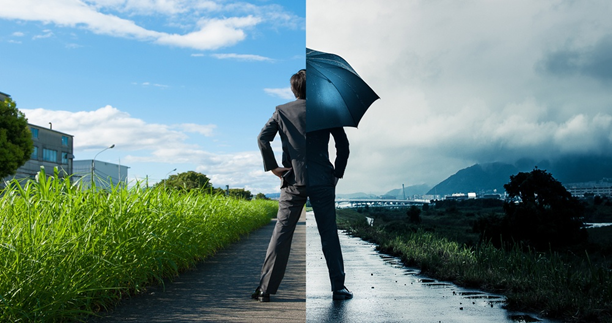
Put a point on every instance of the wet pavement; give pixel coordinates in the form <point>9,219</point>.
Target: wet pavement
<point>386,291</point>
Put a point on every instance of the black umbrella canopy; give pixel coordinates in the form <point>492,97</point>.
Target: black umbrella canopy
<point>336,96</point>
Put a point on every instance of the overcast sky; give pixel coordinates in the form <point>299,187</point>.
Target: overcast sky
<point>188,84</point>
<point>185,84</point>
<point>465,82</point>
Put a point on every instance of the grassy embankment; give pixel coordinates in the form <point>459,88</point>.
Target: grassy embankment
<point>573,285</point>
<point>67,253</point>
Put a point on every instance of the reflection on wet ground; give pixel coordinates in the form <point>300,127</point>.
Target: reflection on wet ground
<point>386,291</point>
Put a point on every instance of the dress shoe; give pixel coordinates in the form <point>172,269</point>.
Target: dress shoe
<point>260,296</point>
<point>342,294</point>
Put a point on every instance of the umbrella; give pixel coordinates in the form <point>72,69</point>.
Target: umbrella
<point>336,95</point>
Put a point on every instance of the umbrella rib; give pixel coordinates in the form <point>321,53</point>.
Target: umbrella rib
<point>344,95</point>
<point>351,95</point>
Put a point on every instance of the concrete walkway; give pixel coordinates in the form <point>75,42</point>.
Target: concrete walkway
<point>387,291</point>
<point>219,289</point>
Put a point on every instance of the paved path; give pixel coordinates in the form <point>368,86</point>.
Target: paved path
<point>387,291</point>
<point>219,289</point>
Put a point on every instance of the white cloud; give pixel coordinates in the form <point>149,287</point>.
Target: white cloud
<point>283,93</point>
<point>47,33</point>
<point>144,143</point>
<point>242,57</point>
<point>146,84</point>
<point>114,18</point>
<point>98,128</point>
<point>18,34</point>
<point>213,33</point>
<point>165,7</point>
<point>205,130</point>
<point>197,55</point>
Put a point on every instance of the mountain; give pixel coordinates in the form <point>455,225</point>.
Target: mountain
<point>273,195</point>
<point>409,191</point>
<point>359,195</point>
<point>492,176</point>
<point>476,178</point>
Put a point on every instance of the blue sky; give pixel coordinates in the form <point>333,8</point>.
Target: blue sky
<point>188,84</point>
<point>172,83</point>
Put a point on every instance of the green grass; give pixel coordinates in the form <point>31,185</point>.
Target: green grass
<point>565,286</point>
<point>67,253</point>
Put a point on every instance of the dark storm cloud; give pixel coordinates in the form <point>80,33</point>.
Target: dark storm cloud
<point>593,61</point>
<point>465,82</point>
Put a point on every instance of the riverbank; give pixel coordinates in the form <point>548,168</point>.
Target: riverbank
<point>560,286</point>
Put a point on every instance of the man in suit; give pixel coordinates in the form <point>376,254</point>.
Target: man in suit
<point>306,172</point>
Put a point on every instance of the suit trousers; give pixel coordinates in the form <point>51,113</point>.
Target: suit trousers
<point>290,205</point>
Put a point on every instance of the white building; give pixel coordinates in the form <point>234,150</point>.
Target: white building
<point>601,188</point>
<point>104,173</point>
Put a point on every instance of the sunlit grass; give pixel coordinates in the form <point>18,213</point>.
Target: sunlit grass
<point>67,252</point>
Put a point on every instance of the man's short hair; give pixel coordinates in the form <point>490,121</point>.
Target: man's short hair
<point>298,84</point>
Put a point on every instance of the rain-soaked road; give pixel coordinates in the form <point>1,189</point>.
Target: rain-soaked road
<point>386,291</point>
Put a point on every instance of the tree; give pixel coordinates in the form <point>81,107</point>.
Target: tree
<point>240,193</point>
<point>261,196</point>
<point>540,213</point>
<point>16,143</point>
<point>187,181</point>
<point>414,215</point>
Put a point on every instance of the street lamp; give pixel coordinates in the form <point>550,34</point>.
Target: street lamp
<point>174,170</point>
<point>93,163</point>
<point>166,177</point>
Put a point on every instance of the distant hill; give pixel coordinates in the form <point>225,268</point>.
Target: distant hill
<point>476,178</point>
<point>492,176</point>
<point>358,195</point>
<point>409,191</point>
<point>273,195</point>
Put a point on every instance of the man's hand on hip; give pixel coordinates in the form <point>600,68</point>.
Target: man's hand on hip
<point>279,171</point>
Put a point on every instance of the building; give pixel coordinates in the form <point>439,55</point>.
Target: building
<point>601,188</point>
<point>51,149</point>
<point>104,173</point>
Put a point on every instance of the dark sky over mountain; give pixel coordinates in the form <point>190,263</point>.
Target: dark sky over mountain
<point>487,177</point>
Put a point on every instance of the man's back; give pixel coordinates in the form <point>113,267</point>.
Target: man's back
<point>302,153</point>
<point>289,120</point>
<point>321,172</point>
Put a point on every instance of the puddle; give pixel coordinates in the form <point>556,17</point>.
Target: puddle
<point>523,318</point>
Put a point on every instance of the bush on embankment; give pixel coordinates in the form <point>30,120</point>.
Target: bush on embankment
<point>66,253</point>
<point>549,283</point>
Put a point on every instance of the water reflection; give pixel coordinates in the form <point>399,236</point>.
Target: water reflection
<point>387,291</point>
<point>596,225</point>
<point>336,311</point>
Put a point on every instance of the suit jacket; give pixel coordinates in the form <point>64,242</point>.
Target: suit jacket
<point>306,153</point>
